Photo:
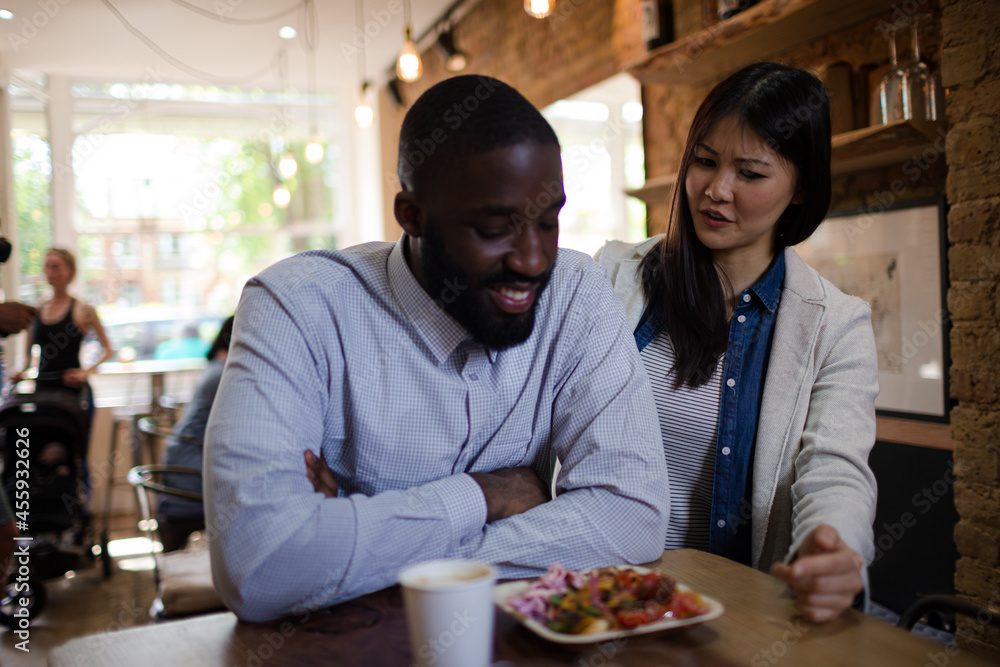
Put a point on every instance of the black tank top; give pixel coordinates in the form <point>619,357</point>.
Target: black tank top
<point>60,347</point>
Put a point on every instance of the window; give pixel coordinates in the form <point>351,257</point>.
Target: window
<point>178,202</point>
<point>600,132</point>
<point>32,164</point>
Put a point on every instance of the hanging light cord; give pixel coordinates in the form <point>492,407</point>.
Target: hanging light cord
<point>193,71</point>
<point>359,9</point>
<point>310,25</point>
<point>215,16</point>
<point>310,37</point>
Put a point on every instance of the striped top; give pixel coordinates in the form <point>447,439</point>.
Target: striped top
<point>689,422</point>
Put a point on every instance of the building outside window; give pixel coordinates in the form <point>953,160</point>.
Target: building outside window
<point>182,193</point>
<point>600,131</point>
<point>32,165</point>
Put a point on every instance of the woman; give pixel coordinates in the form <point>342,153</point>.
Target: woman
<point>62,324</point>
<point>179,517</point>
<point>764,373</point>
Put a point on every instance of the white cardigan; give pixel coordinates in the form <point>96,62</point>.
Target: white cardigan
<point>816,425</point>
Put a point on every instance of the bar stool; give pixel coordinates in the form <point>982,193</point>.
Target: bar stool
<point>122,428</point>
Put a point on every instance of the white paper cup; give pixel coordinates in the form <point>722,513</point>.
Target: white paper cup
<point>450,613</point>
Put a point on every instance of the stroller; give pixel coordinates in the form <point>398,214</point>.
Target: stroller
<point>44,439</point>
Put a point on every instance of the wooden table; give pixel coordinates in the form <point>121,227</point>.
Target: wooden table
<point>759,628</point>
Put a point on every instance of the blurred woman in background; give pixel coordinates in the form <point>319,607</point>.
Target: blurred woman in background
<point>62,324</point>
<point>179,517</point>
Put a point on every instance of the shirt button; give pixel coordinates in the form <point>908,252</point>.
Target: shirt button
<point>746,298</point>
<point>730,382</point>
<point>473,377</point>
<point>721,523</point>
<point>725,451</point>
<point>741,319</point>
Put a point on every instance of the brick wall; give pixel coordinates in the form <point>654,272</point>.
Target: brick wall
<point>583,43</point>
<point>971,71</point>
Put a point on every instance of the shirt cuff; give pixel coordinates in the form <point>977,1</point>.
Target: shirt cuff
<point>464,504</point>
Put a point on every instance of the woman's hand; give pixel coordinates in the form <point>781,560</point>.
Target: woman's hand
<point>826,577</point>
<point>17,377</point>
<point>74,377</point>
<point>319,473</point>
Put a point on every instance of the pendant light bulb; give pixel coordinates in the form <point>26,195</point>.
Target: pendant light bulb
<point>454,60</point>
<point>282,196</point>
<point>539,9</point>
<point>288,166</point>
<point>314,150</point>
<point>364,115</point>
<point>409,67</point>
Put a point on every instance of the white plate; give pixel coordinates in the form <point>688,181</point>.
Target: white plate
<point>503,592</point>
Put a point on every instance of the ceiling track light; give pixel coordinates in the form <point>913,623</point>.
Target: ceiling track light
<point>539,9</point>
<point>454,60</point>
<point>409,66</point>
<point>395,91</point>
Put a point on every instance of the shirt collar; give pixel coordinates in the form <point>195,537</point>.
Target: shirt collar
<point>768,289</point>
<point>439,330</point>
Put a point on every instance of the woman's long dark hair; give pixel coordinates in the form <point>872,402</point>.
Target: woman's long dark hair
<point>221,343</point>
<point>788,109</point>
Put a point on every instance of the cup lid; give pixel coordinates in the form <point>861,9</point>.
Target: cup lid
<point>447,574</point>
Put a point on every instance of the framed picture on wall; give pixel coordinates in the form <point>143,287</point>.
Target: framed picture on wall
<point>894,258</point>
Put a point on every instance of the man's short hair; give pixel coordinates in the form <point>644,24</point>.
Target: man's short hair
<point>466,115</point>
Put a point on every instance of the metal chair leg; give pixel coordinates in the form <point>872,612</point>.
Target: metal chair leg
<point>919,608</point>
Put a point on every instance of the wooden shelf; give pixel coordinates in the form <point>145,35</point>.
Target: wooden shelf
<point>867,148</point>
<point>751,35</point>
<point>883,145</point>
<point>912,432</point>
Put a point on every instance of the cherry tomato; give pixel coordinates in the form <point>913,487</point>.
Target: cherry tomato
<point>686,605</point>
<point>630,618</point>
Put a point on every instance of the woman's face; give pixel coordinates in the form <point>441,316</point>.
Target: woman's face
<point>737,188</point>
<point>57,272</point>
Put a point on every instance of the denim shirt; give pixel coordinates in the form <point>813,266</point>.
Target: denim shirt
<point>747,353</point>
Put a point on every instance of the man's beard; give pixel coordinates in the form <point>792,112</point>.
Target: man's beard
<point>469,304</point>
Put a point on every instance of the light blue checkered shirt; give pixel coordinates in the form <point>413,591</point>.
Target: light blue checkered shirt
<point>344,351</point>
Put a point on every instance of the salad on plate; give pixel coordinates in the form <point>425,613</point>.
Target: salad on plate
<point>604,600</point>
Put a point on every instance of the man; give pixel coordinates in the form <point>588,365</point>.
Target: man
<point>15,317</point>
<point>439,377</point>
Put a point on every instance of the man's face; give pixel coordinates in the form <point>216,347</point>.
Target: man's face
<point>488,237</point>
